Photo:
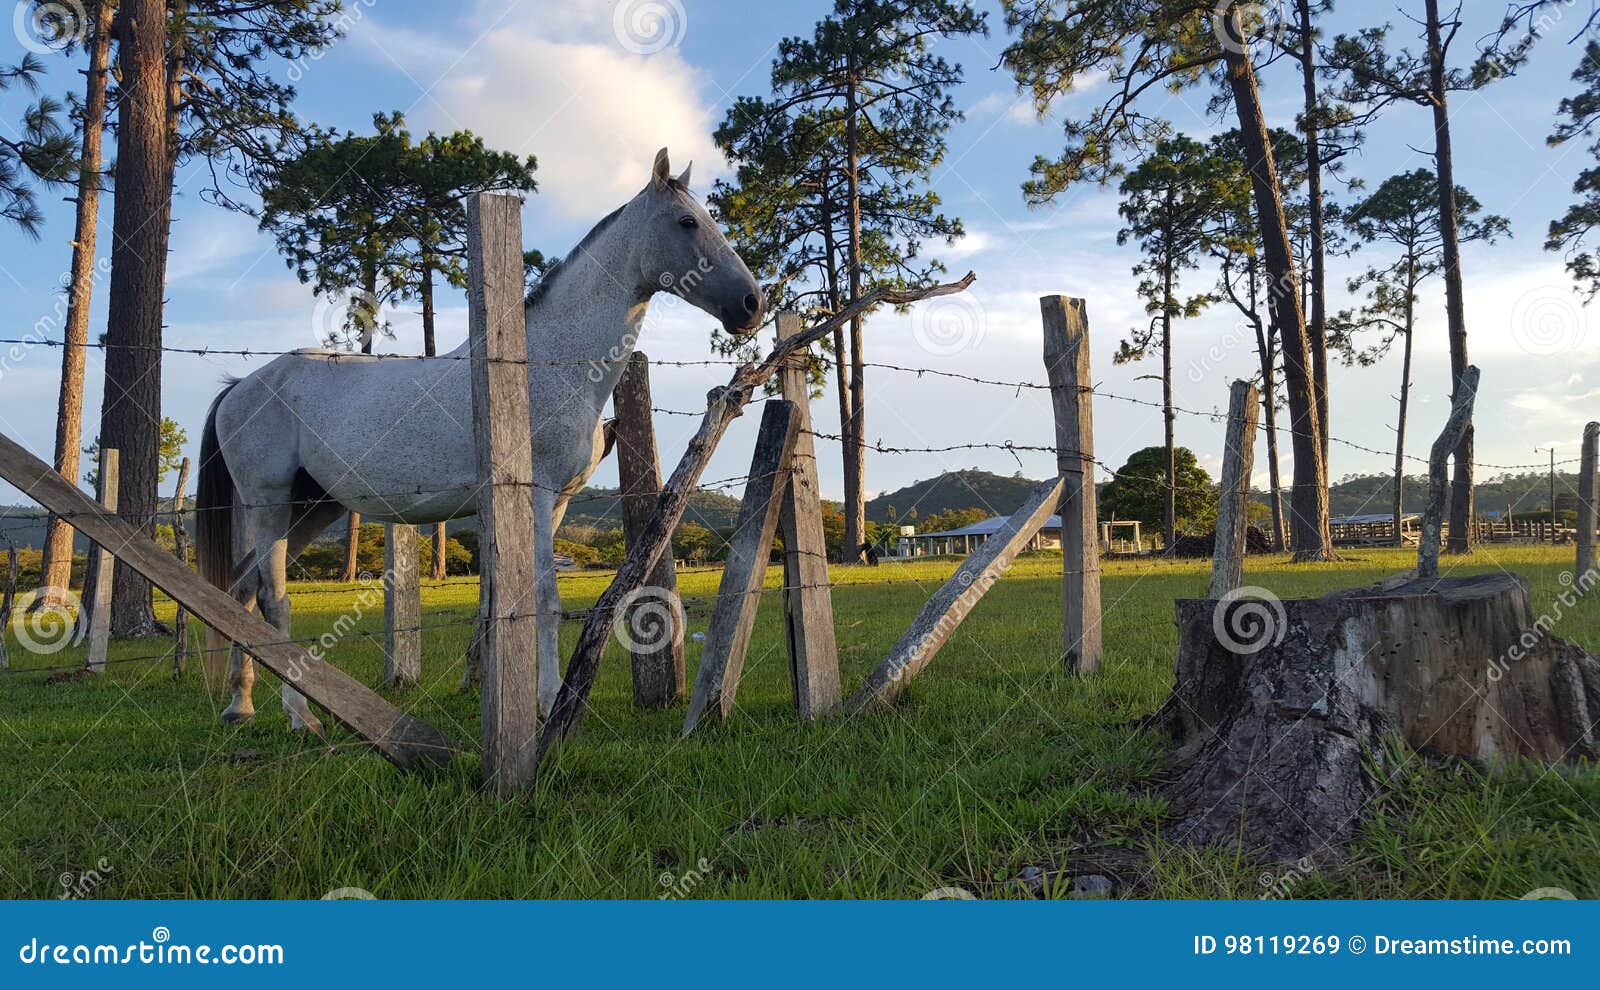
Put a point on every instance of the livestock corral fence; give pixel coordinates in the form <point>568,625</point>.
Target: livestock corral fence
<point>780,494</point>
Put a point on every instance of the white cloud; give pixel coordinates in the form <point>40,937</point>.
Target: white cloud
<point>557,83</point>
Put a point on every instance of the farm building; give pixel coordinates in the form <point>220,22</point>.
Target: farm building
<point>969,538</point>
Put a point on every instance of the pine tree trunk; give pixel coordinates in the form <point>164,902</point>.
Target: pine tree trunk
<point>130,418</point>
<point>55,574</point>
<point>1170,512</point>
<point>841,353</point>
<point>1400,428</point>
<point>430,348</point>
<point>1461,509</point>
<point>855,508</point>
<point>1309,506</point>
<point>1318,253</point>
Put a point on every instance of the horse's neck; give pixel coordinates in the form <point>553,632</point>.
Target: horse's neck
<point>586,323</point>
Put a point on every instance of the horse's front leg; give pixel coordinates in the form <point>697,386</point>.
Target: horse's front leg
<point>547,598</point>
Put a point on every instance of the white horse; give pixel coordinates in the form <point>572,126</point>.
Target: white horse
<point>315,434</point>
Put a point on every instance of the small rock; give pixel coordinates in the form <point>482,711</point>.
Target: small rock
<point>698,637</point>
<point>1091,885</point>
<point>1032,877</point>
<point>244,756</point>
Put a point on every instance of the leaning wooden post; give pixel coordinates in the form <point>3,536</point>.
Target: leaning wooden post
<point>949,606</point>
<point>1066,360</point>
<point>807,598</point>
<point>1233,494</point>
<point>502,428</point>
<point>658,671</point>
<point>716,681</point>
<point>1588,509</point>
<point>8,601</point>
<point>180,549</point>
<point>402,607</point>
<point>100,608</point>
<point>1438,480</point>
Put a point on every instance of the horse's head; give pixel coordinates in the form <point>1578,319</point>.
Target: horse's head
<point>683,252</point>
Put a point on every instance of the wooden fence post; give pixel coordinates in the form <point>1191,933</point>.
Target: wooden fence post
<point>1588,509</point>
<point>8,601</point>
<point>1066,361</point>
<point>180,549</point>
<point>1233,493</point>
<point>658,671</point>
<point>949,606</point>
<point>1438,491</point>
<point>402,607</point>
<point>716,681</point>
<point>502,428</point>
<point>400,738</point>
<point>100,609</point>
<point>807,598</point>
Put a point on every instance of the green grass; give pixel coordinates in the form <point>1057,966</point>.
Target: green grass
<point>993,762</point>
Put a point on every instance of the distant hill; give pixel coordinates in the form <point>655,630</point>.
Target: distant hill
<point>602,509</point>
<point>969,489</point>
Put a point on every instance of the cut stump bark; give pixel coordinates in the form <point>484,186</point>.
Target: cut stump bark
<point>1282,709</point>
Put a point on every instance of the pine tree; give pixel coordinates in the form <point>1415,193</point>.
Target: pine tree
<point>1380,77</point>
<point>1403,214</point>
<point>1168,204</point>
<point>854,127</point>
<point>1142,45</point>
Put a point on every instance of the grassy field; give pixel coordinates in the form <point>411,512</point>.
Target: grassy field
<point>993,763</point>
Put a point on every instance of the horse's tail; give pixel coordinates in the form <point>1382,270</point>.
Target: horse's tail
<point>213,510</point>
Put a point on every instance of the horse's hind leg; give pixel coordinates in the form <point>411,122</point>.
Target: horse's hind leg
<point>272,526</point>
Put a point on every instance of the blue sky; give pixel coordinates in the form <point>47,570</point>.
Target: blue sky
<point>554,80</point>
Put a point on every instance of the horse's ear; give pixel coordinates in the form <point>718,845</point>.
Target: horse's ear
<point>683,180</point>
<point>662,172</point>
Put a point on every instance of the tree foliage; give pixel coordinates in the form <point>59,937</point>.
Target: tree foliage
<point>1139,491</point>
<point>1403,215</point>
<point>36,147</point>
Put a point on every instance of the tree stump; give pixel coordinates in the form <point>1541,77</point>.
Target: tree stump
<point>1283,709</point>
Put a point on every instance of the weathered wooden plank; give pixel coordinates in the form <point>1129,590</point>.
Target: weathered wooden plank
<point>1455,428</point>
<point>658,671</point>
<point>508,650</point>
<point>1588,509</point>
<point>1066,362</point>
<point>400,738</point>
<point>807,598</point>
<point>724,404</point>
<point>716,681</point>
<point>949,606</point>
<point>402,607</point>
<point>100,609</point>
<point>1233,492</point>
<point>180,549</point>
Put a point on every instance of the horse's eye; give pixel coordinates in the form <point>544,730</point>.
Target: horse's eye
<point>688,223</point>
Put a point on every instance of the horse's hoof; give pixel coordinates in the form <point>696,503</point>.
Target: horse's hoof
<point>238,718</point>
<point>310,727</point>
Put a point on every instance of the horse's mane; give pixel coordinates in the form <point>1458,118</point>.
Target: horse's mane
<point>542,287</point>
